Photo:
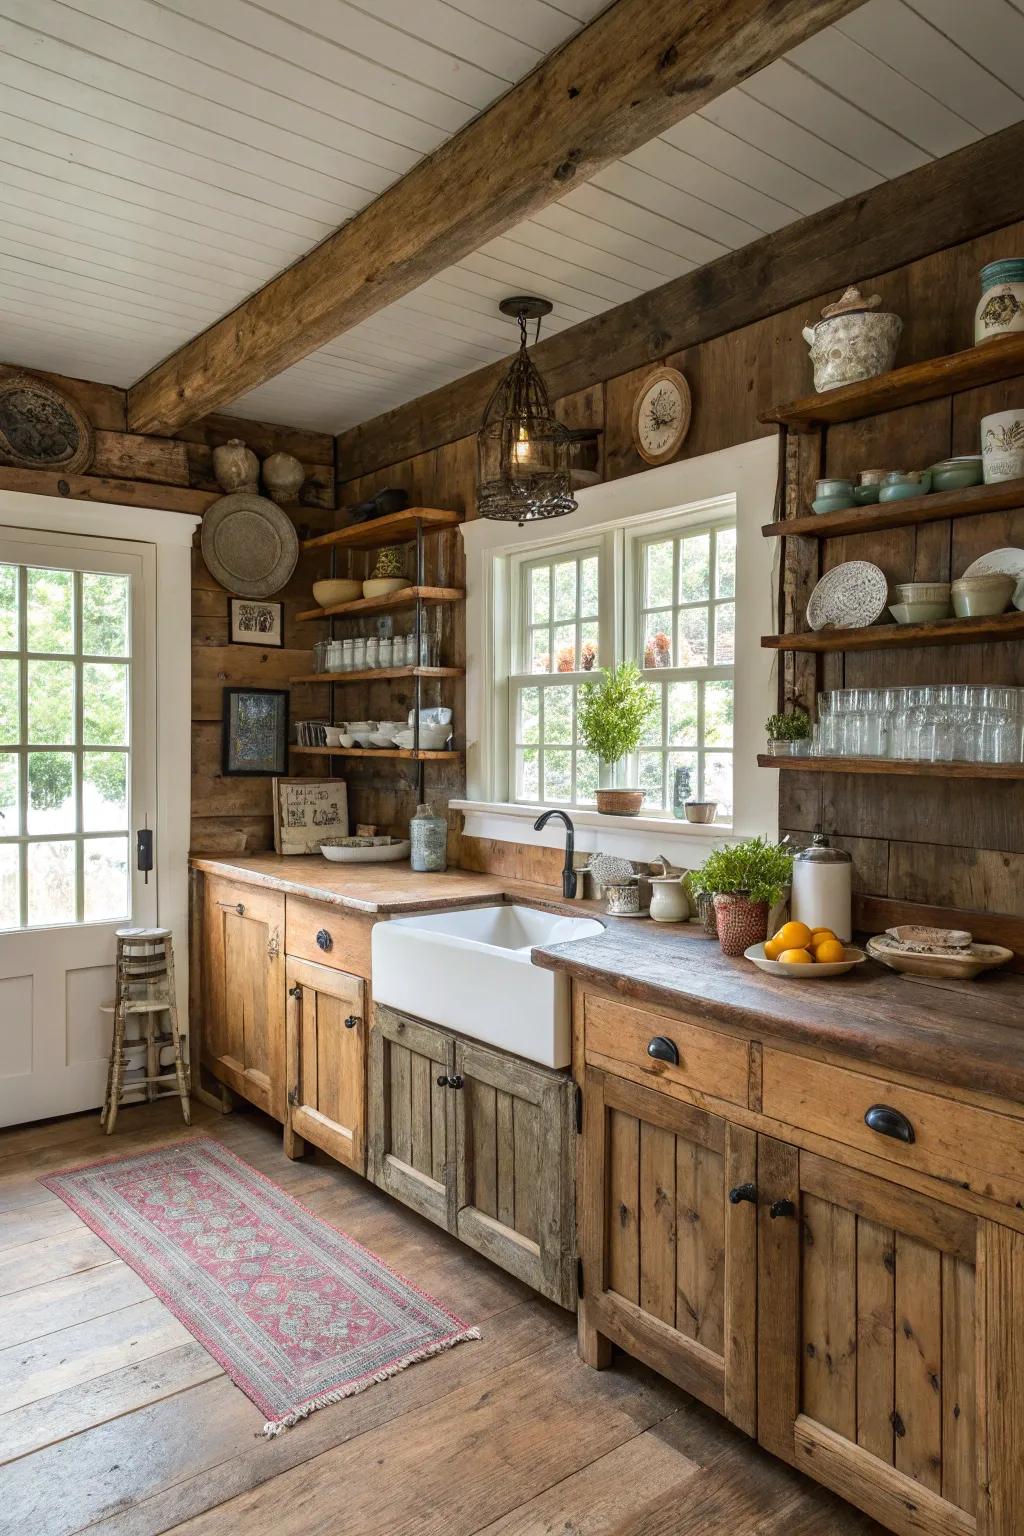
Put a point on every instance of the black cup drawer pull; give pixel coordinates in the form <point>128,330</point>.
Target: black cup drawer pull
<point>889,1122</point>
<point>664,1049</point>
<point>323,939</point>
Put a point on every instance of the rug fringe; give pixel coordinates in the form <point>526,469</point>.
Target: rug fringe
<point>275,1426</point>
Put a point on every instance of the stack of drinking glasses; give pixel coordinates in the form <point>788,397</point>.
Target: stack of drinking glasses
<point>941,723</point>
<point>382,650</point>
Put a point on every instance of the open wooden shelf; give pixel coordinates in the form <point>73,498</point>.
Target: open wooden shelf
<point>889,637</point>
<point>392,602</point>
<point>893,765</point>
<point>395,528</point>
<point>406,755</point>
<point>976,499</point>
<point>374,674</point>
<point>1000,358</point>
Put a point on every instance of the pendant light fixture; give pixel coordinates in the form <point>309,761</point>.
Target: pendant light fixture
<point>522,451</point>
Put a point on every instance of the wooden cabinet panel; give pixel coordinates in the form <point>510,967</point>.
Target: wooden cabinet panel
<point>669,1260</point>
<point>329,935</point>
<point>617,1036</point>
<point>243,984</point>
<point>867,1341</point>
<point>514,1147</point>
<point>411,1118</point>
<point>962,1143</point>
<point>326,1053</point>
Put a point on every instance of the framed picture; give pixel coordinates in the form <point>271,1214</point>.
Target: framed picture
<point>307,810</point>
<point>255,732</point>
<point>251,621</point>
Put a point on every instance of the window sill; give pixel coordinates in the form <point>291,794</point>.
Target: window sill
<point>637,837</point>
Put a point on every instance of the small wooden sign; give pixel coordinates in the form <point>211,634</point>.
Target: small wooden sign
<point>307,810</point>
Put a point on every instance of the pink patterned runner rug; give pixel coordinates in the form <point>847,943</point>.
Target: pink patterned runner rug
<point>297,1313</point>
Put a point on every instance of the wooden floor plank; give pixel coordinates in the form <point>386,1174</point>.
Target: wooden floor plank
<point>71,1299</point>
<point>67,1254</point>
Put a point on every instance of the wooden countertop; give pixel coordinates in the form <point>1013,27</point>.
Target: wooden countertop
<point>968,1034</point>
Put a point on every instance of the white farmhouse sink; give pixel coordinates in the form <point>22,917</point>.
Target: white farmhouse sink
<point>471,971</point>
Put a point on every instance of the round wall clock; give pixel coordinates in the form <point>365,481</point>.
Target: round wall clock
<point>41,428</point>
<point>661,415</point>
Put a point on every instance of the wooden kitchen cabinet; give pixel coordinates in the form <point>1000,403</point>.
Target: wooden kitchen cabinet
<point>244,991</point>
<point>326,1062</point>
<point>669,1239</point>
<point>479,1142</point>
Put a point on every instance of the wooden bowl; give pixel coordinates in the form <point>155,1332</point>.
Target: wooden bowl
<point>337,590</point>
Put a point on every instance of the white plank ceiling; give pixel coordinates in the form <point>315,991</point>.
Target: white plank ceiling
<point>160,161</point>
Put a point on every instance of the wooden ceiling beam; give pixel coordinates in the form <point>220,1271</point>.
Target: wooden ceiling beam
<point>960,197</point>
<point>638,68</point>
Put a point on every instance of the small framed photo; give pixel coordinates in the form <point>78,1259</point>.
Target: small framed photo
<point>254,622</point>
<point>255,731</point>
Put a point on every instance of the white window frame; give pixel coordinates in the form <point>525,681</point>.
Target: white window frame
<point>738,483</point>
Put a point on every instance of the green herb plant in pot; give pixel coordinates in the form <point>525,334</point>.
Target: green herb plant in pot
<point>788,735</point>
<point>745,880</point>
<point>613,716</point>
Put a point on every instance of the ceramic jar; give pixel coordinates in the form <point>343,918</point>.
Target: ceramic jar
<point>822,888</point>
<point>668,899</point>
<point>1000,310</point>
<point>741,922</point>
<point>429,837</point>
<point>852,340</point>
<point>236,467</point>
<point>283,476</point>
<point>1002,445</point>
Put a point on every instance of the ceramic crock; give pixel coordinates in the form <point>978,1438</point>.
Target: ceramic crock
<point>852,340</point>
<point>1000,310</point>
<point>668,899</point>
<point>1002,445</point>
<point>741,922</point>
<point>236,467</point>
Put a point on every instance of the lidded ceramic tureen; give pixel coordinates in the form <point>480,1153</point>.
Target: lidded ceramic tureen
<point>853,340</point>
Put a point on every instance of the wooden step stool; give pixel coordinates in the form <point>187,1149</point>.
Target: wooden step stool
<point>144,989</point>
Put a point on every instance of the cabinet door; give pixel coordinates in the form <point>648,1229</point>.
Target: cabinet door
<point>868,1323</point>
<point>514,1145</point>
<point>326,1045</point>
<point>243,977</point>
<point>411,1117</point>
<point>669,1261</point>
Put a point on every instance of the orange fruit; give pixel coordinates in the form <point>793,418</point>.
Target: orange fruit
<point>796,957</point>
<point>793,936</point>
<point>828,952</point>
<point>772,949</point>
<point>819,935</point>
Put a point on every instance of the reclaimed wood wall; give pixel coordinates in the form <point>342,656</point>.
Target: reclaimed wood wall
<point>945,843</point>
<point>176,474</point>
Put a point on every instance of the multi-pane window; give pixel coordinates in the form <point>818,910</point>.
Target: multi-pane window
<point>65,694</point>
<point>686,634</point>
<point>556,646</point>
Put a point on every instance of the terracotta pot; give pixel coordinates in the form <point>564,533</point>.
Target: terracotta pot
<point>620,802</point>
<point>741,922</point>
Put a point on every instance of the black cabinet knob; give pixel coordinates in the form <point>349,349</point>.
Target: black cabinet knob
<point>781,1208</point>
<point>351,1021</point>
<point>743,1192</point>
<point>663,1049</point>
<point>240,909</point>
<point>442,1081</point>
<point>295,991</point>
<point>323,939</point>
<point>889,1122</point>
<point>455,1082</point>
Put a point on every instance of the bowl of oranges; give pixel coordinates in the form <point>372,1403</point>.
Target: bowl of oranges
<point>799,951</point>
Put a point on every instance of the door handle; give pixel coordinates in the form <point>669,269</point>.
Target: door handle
<point>889,1122</point>
<point>444,1081</point>
<point>743,1192</point>
<point>351,1021</point>
<point>664,1049</point>
<point>295,992</point>
<point>781,1208</point>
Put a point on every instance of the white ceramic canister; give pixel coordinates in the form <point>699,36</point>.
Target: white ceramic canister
<point>668,899</point>
<point>823,888</point>
<point>1000,310</point>
<point>1002,445</point>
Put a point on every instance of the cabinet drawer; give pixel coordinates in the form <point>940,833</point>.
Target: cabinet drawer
<point>959,1143</point>
<point>330,935</point>
<point>617,1035</point>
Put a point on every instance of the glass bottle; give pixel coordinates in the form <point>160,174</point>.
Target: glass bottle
<point>429,837</point>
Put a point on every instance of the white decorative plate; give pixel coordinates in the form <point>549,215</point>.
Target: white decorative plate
<point>1008,562</point>
<point>850,596</point>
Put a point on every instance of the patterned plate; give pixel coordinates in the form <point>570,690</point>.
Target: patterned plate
<point>1008,562</point>
<point>850,596</point>
<point>249,544</point>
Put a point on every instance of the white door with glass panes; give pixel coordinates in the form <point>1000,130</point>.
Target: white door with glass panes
<point>77,776</point>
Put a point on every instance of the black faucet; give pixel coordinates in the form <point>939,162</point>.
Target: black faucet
<point>568,873</point>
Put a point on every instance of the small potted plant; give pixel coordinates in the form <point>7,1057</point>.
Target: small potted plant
<point>788,735</point>
<point>745,880</point>
<point>612,717</point>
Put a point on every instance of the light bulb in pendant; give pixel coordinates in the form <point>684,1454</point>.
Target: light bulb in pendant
<point>521,447</point>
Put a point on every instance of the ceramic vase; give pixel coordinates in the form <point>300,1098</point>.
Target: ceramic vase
<point>668,899</point>
<point>236,467</point>
<point>741,922</point>
<point>1002,445</point>
<point>283,476</point>
<point>1000,310</point>
<point>853,340</point>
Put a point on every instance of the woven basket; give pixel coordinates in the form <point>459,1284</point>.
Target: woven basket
<point>620,802</point>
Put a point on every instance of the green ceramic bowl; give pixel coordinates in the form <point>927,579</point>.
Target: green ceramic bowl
<point>865,495</point>
<point>957,474</point>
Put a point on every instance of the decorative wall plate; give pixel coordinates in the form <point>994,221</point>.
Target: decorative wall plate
<point>1006,562</point>
<point>249,544</point>
<point>850,596</point>
<point>41,428</point>
<point>661,415</point>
